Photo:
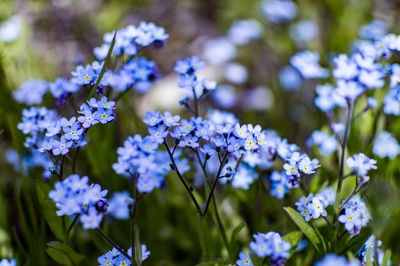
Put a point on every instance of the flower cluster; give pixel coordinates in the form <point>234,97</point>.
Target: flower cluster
<point>312,206</point>
<point>31,92</point>
<point>118,205</point>
<point>88,75</point>
<point>298,164</point>
<point>280,184</point>
<point>61,89</point>
<point>326,143</point>
<point>138,157</point>
<point>69,133</point>
<point>114,257</point>
<point>360,164</point>
<point>131,40</point>
<point>30,160</point>
<point>188,80</point>
<point>270,245</point>
<point>139,73</point>
<point>355,216</point>
<point>386,145</point>
<point>35,123</point>
<point>74,196</point>
<point>278,11</point>
<point>307,63</point>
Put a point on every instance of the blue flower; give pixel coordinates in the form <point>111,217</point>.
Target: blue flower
<point>106,259</point>
<point>118,205</point>
<point>244,260</point>
<point>332,259</point>
<point>152,118</point>
<point>104,116</point>
<point>278,11</point>
<point>307,63</point>
<point>31,92</point>
<point>74,132</point>
<point>169,120</point>
<point>361,164</point>
<point>83,75</point>
<point>88,119</point>
<point>386,145</point>
<point>61,146</point>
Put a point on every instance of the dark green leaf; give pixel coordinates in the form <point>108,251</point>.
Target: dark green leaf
<point>49,210</point>
<point>103,70</point>
<point>138,247</point>
<point>308,229</point>
<point>368,255</point>
<point>235,232</point>
<point>357,241</point>
<point>386,257</point>
<point>293,238</point>
<point>63,254</point>
<point>203,235</point>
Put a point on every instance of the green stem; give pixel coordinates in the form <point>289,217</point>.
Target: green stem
<point>62,167</point>
<point>74,160</point>
<point>71,226</point>
<point>132,218</point>
<point>112,243</point>
<point>176,170</point>
<point>196,103</point>
<point>335,227</point>
<point>217,216</point>
<point>217,177</point>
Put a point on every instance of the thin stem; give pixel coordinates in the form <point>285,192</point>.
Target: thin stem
<point>217,177</point>
<point>327,221</point>
<point>62,167</point>
<point>132,218</point>
<point>176,170</point>
<point>355,191</point>
<point>112,243</point>
<point>341,170</point>
<point>71,226</point>
<point>196,103</point>
<point>217,216</point>
<point>74,160</point>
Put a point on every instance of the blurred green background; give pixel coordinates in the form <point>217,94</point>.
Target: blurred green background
<point>55,34</point>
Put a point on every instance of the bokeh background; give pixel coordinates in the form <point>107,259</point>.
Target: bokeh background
<point>52,37</point>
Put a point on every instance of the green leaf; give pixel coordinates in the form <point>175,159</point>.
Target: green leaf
<point>293,238</point>
<point>203,235</point>
<point>63,254</point>
<point>235,232</point>
<point>49,209</point>
<point>308,229</point>
<point>369,262</point>
<point>103,70</point>
<point>386,258</point>
<point>138,247</point>
<point>357,241</point>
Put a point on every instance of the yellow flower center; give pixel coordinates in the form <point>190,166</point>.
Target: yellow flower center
<point>108,262</point>
<point>87,77</point>
<point>104,116</point>
<point>292,169</point>
<point>305,168</point>
<point>250,143</point>
<point>246,261</point>
<point>105,106</point>
<point>350,218</point>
